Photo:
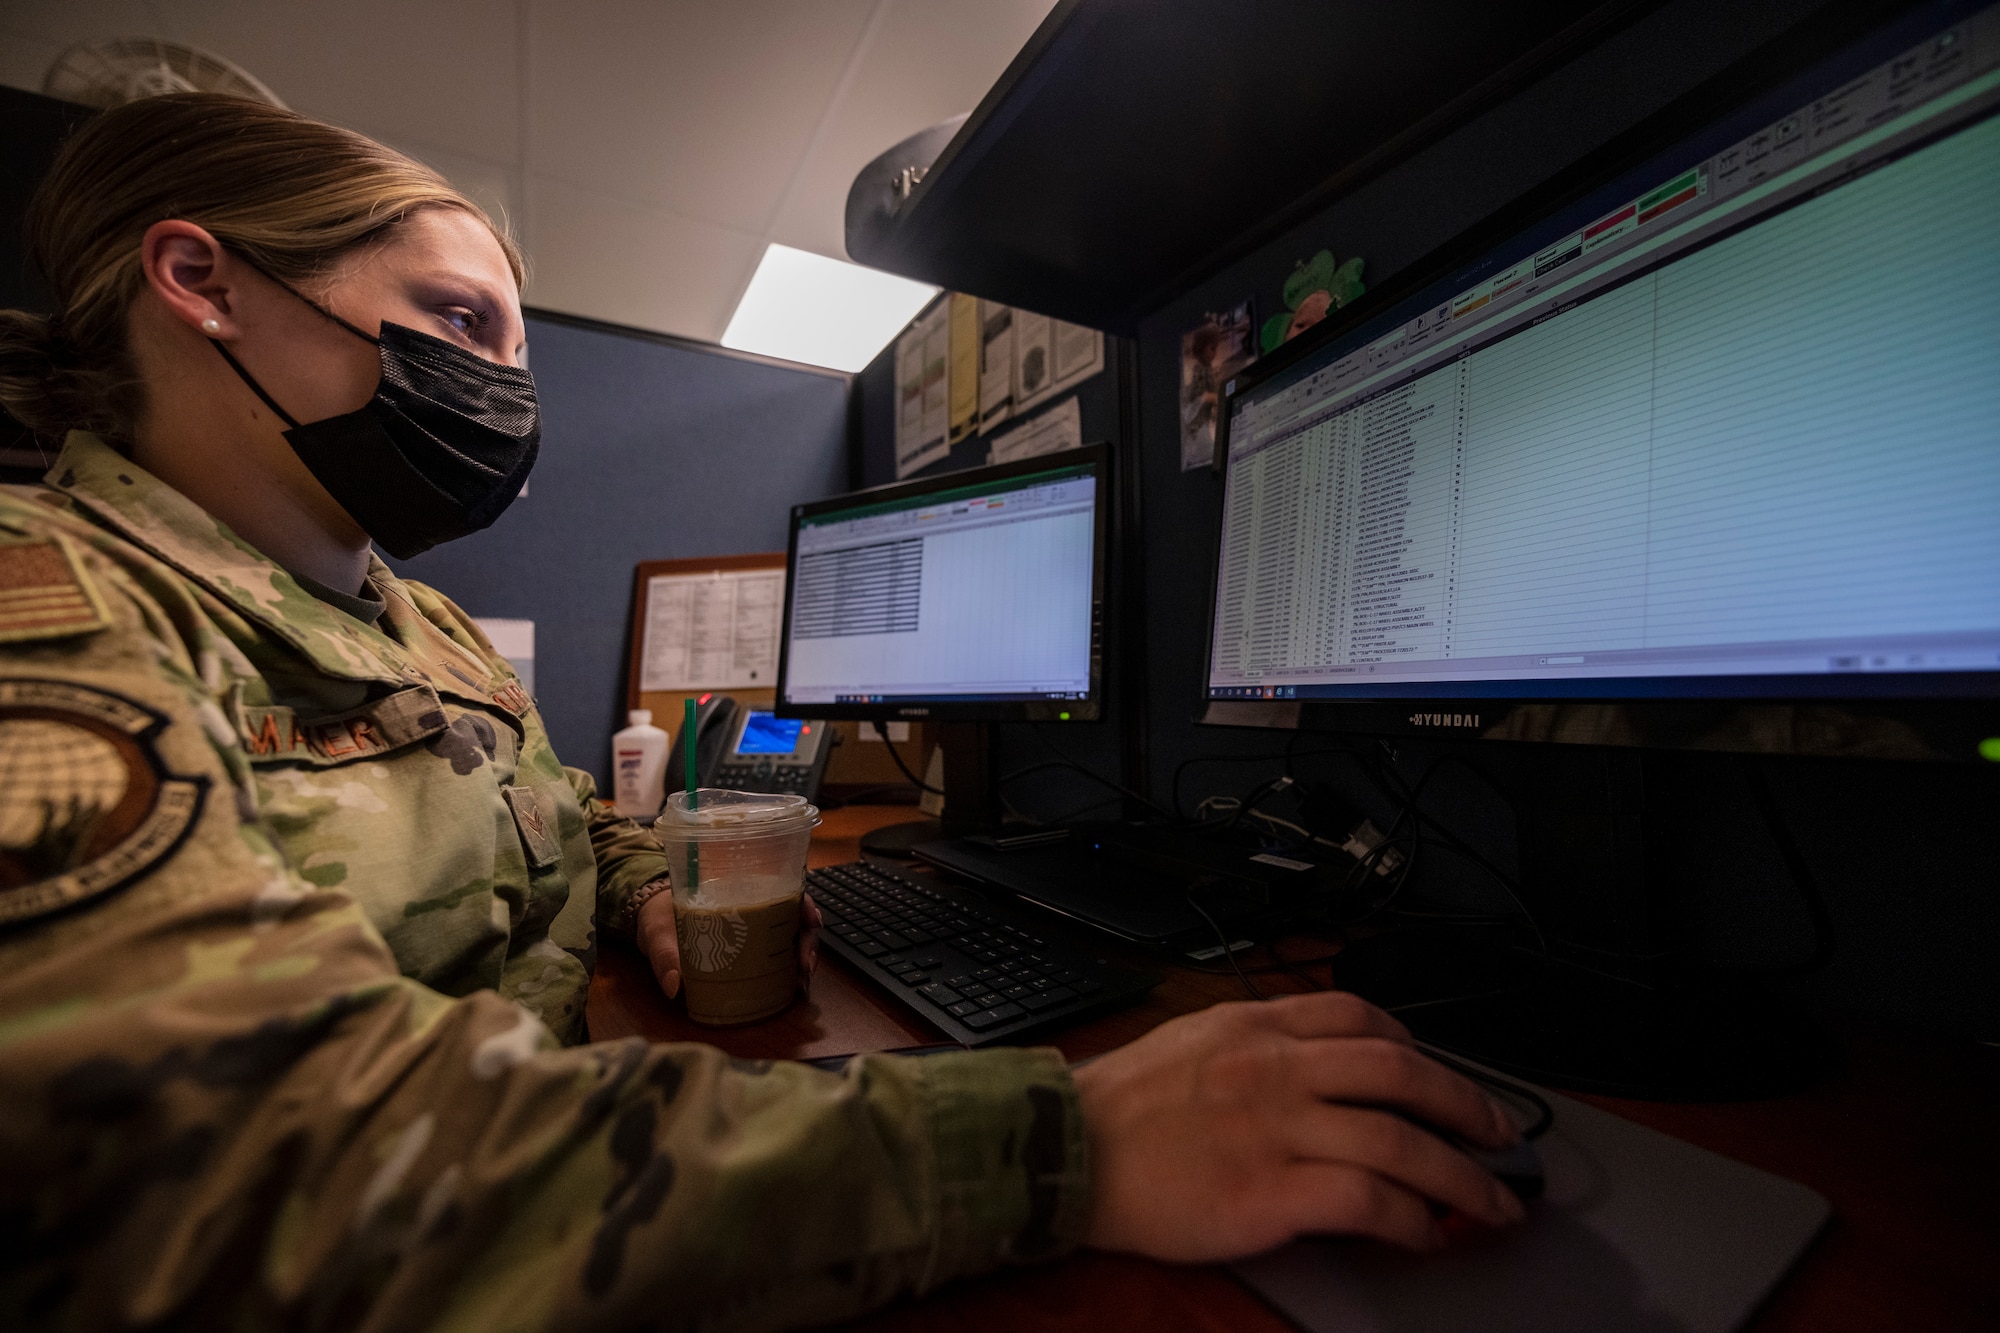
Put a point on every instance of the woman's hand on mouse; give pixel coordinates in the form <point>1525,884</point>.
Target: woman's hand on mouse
<point>1227,1132</point>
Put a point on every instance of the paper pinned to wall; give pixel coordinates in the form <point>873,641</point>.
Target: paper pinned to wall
<point>713,631</point>
<point>964,374</point>
<point>1079,353</point>
<point>1051,356</point>
<point>1034,359</point>
<point>923,402</point>
<point>996,364</point>
<point>909,394</point>
<point>1059,428</point>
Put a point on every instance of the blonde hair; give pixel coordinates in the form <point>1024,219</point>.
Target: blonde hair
<point>289,193</point>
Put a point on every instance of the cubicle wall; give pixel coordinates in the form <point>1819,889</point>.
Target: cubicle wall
<point>652,448</point>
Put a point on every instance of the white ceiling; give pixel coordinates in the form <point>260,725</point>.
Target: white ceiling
<point>645,151</point>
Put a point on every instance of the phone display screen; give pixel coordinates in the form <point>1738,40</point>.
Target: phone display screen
<point>766,734</point>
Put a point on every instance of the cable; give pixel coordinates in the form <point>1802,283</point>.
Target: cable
<point>1037,767</point>
<point>1075,811</point>
<point>1796,867</point>
<point>1506,885</point>
<point>1384,776</point>
<point>1359,873</point>
<point>1067,815</point>
<point>1102,781</point>
<point>902,767</point>
<point>1287,757</point>
<point>1448,837</point>
<point>1223,940</point>
<point>1412,808</point>
<point>1261,792</point>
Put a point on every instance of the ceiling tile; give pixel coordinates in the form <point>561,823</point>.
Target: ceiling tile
<point>662,136</point>
<point>700,107</point>
<point>443,72</point>
<point>609,259</point>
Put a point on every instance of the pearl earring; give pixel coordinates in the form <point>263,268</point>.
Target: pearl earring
<point>211,326</point>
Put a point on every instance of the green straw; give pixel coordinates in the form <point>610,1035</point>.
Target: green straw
<point>694,800</point>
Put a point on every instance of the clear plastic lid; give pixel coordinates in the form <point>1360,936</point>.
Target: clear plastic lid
<point>717,813</point>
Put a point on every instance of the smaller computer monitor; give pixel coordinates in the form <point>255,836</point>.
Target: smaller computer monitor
<point>974,596</point>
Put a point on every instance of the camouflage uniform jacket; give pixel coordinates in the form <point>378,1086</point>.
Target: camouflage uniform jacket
<point>295,916</point>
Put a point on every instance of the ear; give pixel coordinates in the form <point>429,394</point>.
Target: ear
<point>194,275</point>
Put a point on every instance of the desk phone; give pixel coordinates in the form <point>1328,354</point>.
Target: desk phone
<point>770,753</point>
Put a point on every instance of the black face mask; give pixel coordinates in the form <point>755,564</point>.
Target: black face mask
<point>440,451</point>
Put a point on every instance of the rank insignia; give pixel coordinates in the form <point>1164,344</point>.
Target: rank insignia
<point>512,697</point>
<point>536,836</point>
<point>44,592</point>
<point>85,803</point>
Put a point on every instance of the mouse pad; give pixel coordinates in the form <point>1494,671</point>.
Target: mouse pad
<point>1637,1232</point>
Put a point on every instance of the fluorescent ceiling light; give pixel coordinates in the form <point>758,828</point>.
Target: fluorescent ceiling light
<point>824,312</point>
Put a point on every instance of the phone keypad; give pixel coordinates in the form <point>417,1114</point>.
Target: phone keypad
<point>765,777</point>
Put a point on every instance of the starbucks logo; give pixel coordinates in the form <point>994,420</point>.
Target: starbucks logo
<point>713,939</point>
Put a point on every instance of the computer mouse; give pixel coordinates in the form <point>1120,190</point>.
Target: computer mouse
<point>1518,1167</point>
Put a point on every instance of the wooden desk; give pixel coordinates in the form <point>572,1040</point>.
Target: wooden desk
<point>1905,1142</point>
<point>845,1014</point>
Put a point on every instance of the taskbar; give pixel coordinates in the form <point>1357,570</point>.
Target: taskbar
<point>1821,685</point>
<point>1029,696</point>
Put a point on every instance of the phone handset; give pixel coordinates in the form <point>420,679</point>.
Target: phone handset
<point>713,714</point>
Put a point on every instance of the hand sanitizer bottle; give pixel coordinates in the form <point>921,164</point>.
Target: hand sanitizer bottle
<point>639,765</point>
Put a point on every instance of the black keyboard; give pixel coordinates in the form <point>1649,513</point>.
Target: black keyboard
<point>981,973</point>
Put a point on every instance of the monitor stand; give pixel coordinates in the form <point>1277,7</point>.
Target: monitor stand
<point>1633,1015</point>
<point>902,840</point>
<point>971,803</point>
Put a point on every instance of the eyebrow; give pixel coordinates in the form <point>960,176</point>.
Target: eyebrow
<point>459,286</point>
<point>488,297</point>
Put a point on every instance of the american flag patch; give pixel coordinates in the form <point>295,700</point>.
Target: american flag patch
<point>44,593</point>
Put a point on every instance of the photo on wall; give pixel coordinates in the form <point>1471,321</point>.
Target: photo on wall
<point>1222,344</point>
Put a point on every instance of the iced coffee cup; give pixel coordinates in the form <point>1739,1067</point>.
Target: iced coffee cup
<point>738,862</point>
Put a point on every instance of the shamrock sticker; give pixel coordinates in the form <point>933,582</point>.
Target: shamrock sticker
<point>1316,287</point>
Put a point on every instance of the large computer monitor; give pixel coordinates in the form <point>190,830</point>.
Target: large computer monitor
<point>1724,428</point>
<point>1694,447</point>
<point>972,596</point>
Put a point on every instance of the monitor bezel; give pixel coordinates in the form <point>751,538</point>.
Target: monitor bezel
<point>1098,457</point>
<point>1941,715</point>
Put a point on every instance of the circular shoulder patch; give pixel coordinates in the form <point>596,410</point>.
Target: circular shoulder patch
<point>85,803</point>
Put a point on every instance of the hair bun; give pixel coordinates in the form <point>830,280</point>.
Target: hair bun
<point>34,385</point>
